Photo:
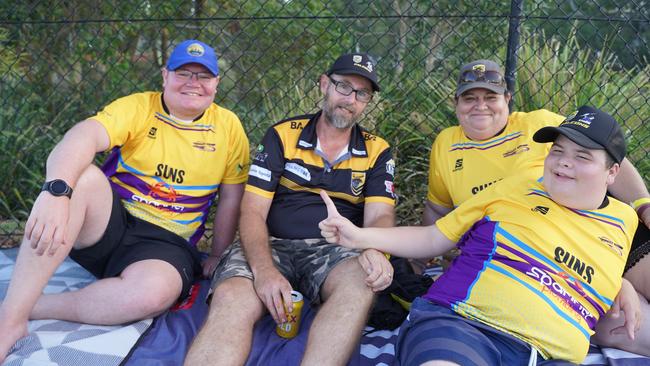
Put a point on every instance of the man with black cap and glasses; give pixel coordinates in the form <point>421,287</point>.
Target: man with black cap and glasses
<point>491,143</point>
<point>135,223</point>
<point>541,259</point>
<point>281,247</point>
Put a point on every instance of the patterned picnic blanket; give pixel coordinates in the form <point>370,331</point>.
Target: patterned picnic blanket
<point>58,342</point>
<point>165,340</point>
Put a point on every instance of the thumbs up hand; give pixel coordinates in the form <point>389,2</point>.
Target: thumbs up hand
<point>337,229</point>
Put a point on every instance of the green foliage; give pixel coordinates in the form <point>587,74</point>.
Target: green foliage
<point>560,75</point>
<point>61,62</point>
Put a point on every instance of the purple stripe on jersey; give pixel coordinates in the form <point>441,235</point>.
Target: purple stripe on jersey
<point>599,219</point>
<point>145,199</point>
<point>184,128</point>
<point>551,287</point>
<point>124,193</point>
<point>532,262</point>
<point>198,234</point>
<point>486,147</point>
<point>110,164</point>
<point>578,212</point>
<point>145,189</point>
<point>455,284</point>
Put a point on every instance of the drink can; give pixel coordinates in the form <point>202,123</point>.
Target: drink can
<point>290,328</point>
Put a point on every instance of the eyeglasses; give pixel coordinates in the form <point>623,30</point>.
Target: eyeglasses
<point>347,89</point>
<point>472,76</point>
<point>186,75</point>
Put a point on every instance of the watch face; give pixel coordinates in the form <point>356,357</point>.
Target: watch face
<point>58,187</point>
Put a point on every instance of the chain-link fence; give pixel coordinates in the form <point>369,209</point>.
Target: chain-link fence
<point>61,61</point>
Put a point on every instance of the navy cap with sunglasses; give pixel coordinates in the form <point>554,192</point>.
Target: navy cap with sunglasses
<point>484,74</point>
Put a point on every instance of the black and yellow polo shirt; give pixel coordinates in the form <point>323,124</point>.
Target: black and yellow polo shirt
<point>290,170</point>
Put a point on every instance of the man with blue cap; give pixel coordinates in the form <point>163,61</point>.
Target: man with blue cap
<point>135,222</point>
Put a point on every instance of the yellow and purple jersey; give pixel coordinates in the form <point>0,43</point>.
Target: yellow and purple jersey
<point>532,268</point>
<point>168,171</point>
<point>460,168</point>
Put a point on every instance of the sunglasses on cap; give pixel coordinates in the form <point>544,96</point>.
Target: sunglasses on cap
<point>473,76</point>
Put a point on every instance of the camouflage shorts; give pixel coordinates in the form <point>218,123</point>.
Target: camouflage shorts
<point>305,263</point>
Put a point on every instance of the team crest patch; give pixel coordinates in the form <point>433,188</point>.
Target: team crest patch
<point>356,182</point>
<point>356,58</point>
<point>479,68</point>
<point>195,50</point>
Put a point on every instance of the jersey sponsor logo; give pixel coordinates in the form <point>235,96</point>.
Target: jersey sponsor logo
<point>575,264</point>
<point>357,180</point>
<point>158,191</point>
<point>261,156</point>
<point>390,167</point>
<point>167,172</point>
<point>541,209</point>
<point>204,146</point>
<point>304,143</point>
<point>390,187</point>
<point>159,205</point>
<point>458,165</point>
<point>296,125</point>
<point>561,295</point>
<point>259,172</point>
<point>358,152</point>
<point>152,133</point>
<point>481,187</point>
<point>618,249</point>
<point>298,170</point>
<point>517,150</point>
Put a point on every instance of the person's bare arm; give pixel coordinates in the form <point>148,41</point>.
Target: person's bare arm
<point>629,186</point>
<point>433,212</point>
<point>225,224</point>
<point>373,262</point>
<point>46,226</point>
<point>408,242</point>
<point>271,286</point>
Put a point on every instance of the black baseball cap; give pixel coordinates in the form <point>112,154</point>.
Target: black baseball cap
<point>591,128</point>
<point>356,64</point>
<point>484,74</point>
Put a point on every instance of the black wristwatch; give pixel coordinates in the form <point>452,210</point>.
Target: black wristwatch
<point>58,187</point>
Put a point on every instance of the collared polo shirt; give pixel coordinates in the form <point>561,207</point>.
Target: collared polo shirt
<point>288,169</point>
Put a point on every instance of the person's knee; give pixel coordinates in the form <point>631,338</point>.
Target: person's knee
<point>237,296</point>
<point>155,285</point>
<point>158,297</point>
<point>91,178</point>
<point>348,278</point>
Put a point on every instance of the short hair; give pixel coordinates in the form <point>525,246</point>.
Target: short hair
<point>609,160</point>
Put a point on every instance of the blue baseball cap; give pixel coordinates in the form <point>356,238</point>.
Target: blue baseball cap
<point>193,52</point>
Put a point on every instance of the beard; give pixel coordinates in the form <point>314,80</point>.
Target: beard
<point>337,117</point>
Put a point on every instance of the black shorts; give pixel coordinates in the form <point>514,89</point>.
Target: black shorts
<point>128,239</point>
<point>640,246</point>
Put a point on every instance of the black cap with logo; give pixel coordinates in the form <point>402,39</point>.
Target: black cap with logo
<point>591,128</point>
<point>356,64</point>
